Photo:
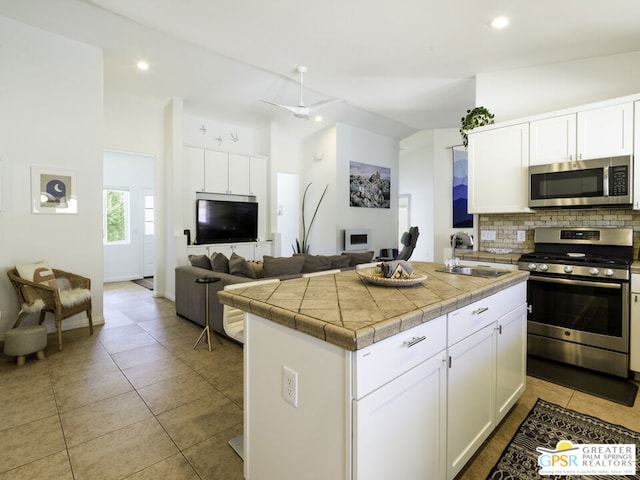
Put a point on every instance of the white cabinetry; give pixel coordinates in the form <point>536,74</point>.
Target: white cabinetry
<point>498,170</point>
<point>481,386</point>
<point>239,175</point>
<point>553,140</point>
<point>634,330</point>
<point>636,157</point>
<point>605,132</point>
<point>248,250</point>
<point>599,132</point>
<point>407,376</point>
<point>511,363</point>
<point>193,169</point>
<point>216,172</point>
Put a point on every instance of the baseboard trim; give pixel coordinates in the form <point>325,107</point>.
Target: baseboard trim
<point>68,324</point>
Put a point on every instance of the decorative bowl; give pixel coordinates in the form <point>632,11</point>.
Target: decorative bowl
<point>368,275</point>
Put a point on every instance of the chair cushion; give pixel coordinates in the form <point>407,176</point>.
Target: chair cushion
<point>38,273</point>
<point>239,266</point>
<point>75,296</point>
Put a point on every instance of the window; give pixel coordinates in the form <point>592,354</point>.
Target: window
<point>149,226</point>
<point>116,216</point>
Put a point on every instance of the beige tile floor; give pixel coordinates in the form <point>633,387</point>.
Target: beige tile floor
<point>136,401</point>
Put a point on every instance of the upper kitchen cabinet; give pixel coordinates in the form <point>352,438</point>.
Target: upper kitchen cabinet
<point>593,133</point>
<point>605,132</point>
<point>498,170</point>
<point>553,140</point>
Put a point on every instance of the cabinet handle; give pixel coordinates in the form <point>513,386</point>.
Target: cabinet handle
<point>414,340</point>
<point>449,361</point>
<point>480,310</point>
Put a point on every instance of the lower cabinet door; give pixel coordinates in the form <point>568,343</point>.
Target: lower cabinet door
<point>471,396</point>
<point>511,364</point>
<point>399,429</point>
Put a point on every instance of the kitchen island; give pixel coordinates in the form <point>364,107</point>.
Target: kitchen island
<point>349,380</point>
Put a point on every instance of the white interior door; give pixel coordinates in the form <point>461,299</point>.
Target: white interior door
<point>288,212</point>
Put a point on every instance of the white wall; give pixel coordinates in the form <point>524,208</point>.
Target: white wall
<point>326,159</point>
<point>528,91</point>
<point>426,172</point>
<point>51,116</point>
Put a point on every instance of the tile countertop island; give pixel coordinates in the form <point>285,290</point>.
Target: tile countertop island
<point>345,311</point>
<point>347,380</point>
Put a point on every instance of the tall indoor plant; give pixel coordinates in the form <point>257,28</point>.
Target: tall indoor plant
<point>303,247</point>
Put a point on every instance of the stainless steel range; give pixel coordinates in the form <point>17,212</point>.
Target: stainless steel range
<point>578,295</point>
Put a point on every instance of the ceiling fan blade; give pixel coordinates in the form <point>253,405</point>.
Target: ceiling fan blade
<point>287,107</point>
<point>323,103</point>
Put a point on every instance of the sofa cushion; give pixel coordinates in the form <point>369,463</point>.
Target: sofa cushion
<point>360,257</point>
<point>340,261</point>
<point>239,266</point>
<point>282,266</point>
<point>314,263</point>
<point>219,262</point>
<point>201,261</point>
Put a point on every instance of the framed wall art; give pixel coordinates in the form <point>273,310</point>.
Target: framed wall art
<point>53,191</point>
<point>461,216</point>
<point>369,185</point>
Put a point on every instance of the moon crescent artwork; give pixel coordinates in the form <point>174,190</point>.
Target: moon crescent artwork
<point>54,190</point>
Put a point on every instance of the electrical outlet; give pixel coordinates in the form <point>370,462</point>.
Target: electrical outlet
<point>522,236</point>
<point>488,235</point>
<point>290,386</point>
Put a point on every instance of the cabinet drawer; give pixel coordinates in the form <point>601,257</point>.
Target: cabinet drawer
<point>635,282</point>
<point>467,320</point>
<point>383,361</point>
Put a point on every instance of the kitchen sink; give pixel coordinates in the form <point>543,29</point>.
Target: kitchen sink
<point>474,272</point>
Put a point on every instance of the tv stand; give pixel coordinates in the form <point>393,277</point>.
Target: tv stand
<point>248,250</point>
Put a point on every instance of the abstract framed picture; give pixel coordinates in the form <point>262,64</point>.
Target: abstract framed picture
<point>53,191</point>
<point>369,185</point>
<point>461,217</point>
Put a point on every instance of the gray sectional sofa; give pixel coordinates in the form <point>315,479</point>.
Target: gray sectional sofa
<point>190,296</point>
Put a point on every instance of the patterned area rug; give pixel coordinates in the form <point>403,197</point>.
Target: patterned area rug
<point>545,426</point>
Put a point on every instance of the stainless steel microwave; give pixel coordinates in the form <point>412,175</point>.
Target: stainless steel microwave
<point>584,183</point>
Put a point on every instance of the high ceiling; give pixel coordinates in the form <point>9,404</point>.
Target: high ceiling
<point>398,66</point>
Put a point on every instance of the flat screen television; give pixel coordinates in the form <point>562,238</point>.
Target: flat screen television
<point>222,221</point>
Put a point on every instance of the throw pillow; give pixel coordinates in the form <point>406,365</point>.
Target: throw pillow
<point>38,273</point>
<point>239,266</point>
<point>201,261</point>
<point>360,257</point>
<point>257,268</point>
<point>282,266</point>
<point>219,262</point>
<point>314,263</point>
<point>340,261</point>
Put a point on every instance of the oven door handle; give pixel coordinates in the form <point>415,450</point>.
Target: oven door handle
<point>572,281</point>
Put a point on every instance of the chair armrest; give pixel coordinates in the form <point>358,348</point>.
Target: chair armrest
<point>48,294</point>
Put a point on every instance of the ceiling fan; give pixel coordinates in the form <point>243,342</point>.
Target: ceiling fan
<point>303,111</point>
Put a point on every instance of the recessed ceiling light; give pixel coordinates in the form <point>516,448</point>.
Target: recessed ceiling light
<point>318,118</point>
<point>500,22</point>
<point>142,65</point>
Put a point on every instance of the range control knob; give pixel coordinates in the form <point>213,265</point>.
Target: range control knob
<point>608,272</point>
<point>532,266</point>
<point>544,267</point>
<point>568,269</point>
<point>594,271</point>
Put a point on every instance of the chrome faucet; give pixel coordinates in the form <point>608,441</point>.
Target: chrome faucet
<point>464,238</point>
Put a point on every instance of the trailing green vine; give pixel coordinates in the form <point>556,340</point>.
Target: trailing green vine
<point>478,117</point>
